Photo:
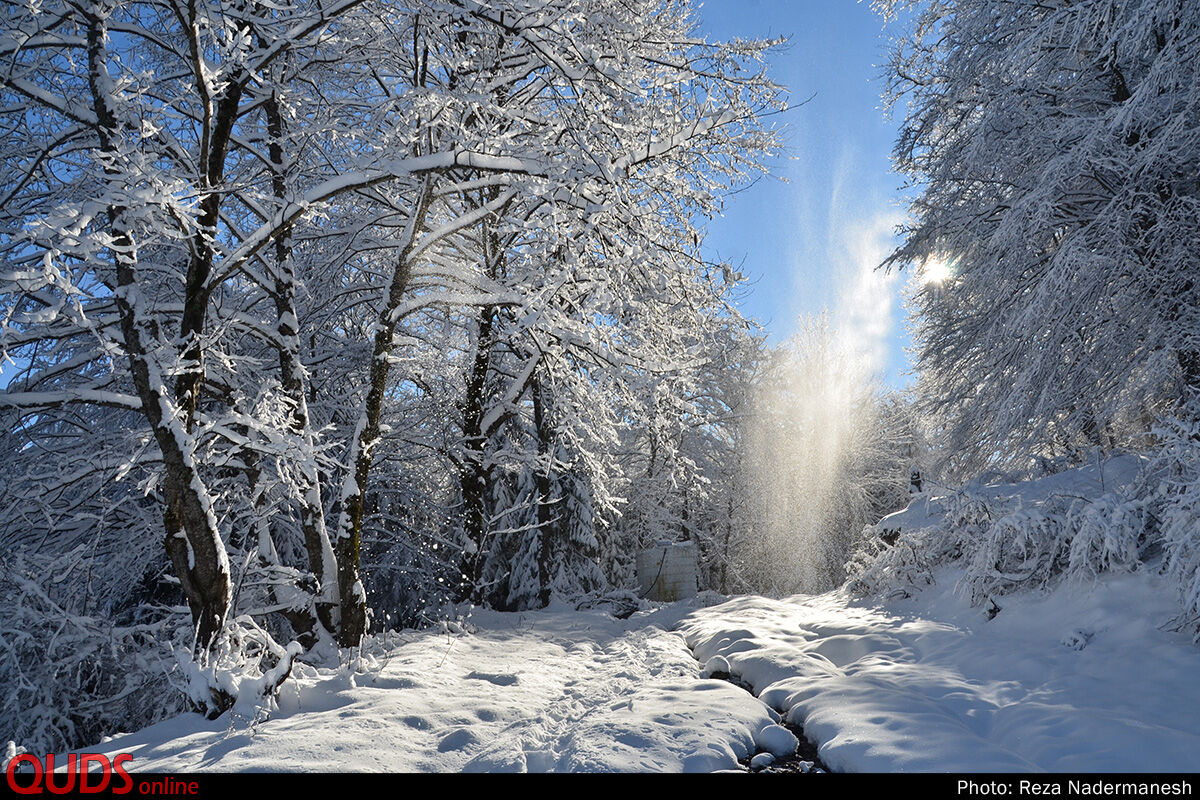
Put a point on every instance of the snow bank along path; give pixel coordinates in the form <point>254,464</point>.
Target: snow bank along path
<point>546,691</point>
<point>1079,679</point>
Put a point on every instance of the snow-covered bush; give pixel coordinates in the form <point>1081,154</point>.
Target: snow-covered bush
<point>243,670</point>
<point>892,561</point>
<point>67,679</point>
<point>1025,547</point>
<point>1109,536</point>
<point>1009,538</point>
<point>1175,506</point>
<point>877,568</point>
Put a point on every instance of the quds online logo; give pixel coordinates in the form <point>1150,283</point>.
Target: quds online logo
<point>27,774</point>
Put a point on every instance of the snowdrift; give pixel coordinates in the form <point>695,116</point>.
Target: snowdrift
<point>1024,627</point>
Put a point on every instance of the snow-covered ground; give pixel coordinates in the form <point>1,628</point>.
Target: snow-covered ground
<point>1075,680</point>
<point>546,691</point>
<point>1084,677</point>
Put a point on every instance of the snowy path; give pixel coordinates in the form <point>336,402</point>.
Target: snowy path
<point>618,702</point>
<point>552,691</point>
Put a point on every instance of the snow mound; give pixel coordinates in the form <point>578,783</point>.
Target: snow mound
<point>762,760</point>
<point>776,740</point>
<point>931,684</point>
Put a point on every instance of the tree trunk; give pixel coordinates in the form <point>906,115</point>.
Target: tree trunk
<point>352,595</point>
<point>473,477</point>
<point>321,559</point>
<point>544,487</point>
<point>192,540</point>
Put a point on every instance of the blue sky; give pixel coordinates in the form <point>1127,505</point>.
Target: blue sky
<point>808,244</point>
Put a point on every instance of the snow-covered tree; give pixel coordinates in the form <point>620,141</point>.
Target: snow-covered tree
<point>1053,148</point>
<point>297,276</point>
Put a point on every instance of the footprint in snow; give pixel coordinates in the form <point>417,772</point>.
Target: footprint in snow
<point>498,678</point>
<point>1077,639</point>
<point>458,740</point>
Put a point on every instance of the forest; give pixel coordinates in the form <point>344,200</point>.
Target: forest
<point>326,318</point>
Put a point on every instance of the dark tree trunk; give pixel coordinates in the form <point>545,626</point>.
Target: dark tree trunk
<point>347,547</point>
<point>475,479</point>
<point>473,476</point>
<point>546,533</point>
<point>192,540</point>
<point>291,370</point>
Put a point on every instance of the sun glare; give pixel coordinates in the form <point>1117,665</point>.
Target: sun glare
<point>936,271</point>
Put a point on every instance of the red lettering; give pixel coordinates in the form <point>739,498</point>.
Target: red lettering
<point>11,773</point>
<point>105,771</point>
<point>71,762</point>
<point>119,767</point>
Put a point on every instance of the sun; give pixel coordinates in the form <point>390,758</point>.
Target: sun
<point>936,271</point>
